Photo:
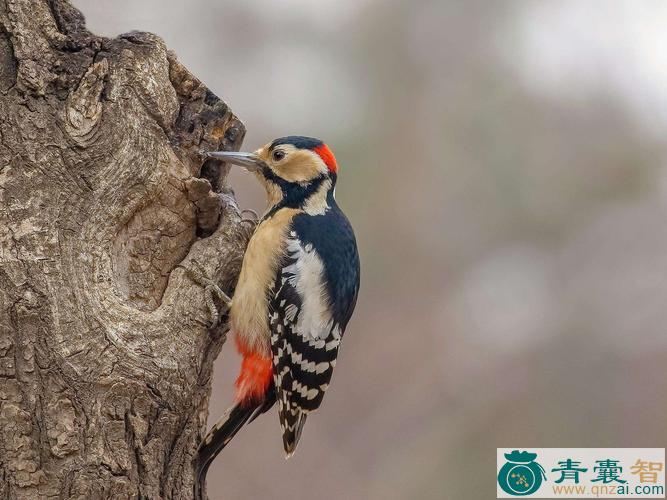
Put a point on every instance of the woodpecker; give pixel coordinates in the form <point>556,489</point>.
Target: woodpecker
<point>296,291</point>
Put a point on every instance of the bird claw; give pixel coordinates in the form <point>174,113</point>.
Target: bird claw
<point>254,215</point>
<point>252,220</point>
<point>211,291</point>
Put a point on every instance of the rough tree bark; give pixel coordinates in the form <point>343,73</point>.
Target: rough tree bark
<point>105,351</point>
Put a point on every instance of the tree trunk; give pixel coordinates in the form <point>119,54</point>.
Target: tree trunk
<point>105,349</point>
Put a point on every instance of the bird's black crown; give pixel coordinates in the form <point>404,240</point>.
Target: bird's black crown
<point>298,141</point>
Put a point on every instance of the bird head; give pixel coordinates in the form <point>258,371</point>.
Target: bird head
<point>292,169</point>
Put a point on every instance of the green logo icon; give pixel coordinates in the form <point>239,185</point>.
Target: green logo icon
<point>521,475</point>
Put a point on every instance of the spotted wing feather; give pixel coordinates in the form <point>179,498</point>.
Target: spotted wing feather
<point>304,339</point>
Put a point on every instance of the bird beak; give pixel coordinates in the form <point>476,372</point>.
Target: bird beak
<point>250,161</point>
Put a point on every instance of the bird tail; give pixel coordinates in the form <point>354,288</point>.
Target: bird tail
<point>223,432</point>
<point>292,420</point>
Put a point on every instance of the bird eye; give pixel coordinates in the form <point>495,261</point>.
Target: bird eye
<point>278,155</point>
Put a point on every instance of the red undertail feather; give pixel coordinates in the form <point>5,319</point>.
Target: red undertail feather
<point>255,377</point>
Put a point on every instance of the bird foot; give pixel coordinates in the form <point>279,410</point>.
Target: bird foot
<point>211,291</point>
<point>252,219</point>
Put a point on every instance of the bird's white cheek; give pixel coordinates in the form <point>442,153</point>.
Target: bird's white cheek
<point>273,192</point>
<point>317,203</point>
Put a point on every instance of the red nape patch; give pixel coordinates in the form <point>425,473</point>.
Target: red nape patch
<point>327,156</point>
<point>254,379</point>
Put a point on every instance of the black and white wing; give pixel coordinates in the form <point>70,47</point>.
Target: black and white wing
<point>304,337</point>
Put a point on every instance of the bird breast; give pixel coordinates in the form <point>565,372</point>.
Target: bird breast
<point>249,312</point>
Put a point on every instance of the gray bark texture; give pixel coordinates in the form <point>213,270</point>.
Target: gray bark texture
<point>106,353</point>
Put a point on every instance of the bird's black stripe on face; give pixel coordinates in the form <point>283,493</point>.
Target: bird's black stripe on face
<point>294,194</point>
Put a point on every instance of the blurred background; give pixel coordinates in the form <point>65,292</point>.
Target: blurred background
<point>505,167</point>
